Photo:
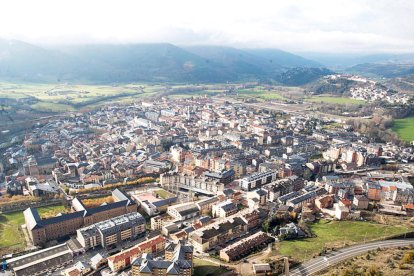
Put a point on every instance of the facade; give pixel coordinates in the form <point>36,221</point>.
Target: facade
<point>224,209</point>
<point>178,261</point>
<point>44,230</point>
<point>257,180</point>
<point>183,211</point>
<point>245,246</point>
<point>154,246</point>
<point>218,234</point>
<point>112,231</point>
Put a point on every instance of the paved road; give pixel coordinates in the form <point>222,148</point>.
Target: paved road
<point>321,263</point>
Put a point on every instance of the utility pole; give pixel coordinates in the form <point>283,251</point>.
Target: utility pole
<point>286,265</point>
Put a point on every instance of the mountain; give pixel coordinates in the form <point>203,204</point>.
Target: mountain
<point>302,75</point>
<point>383,70</point>
<point>160,62</point>
<point>283,58</point>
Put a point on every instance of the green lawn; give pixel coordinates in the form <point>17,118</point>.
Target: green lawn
<point>404,128</point>
<point>162,193</point>
<point>337,234</point>
<point>334,100</point>
<point>204,267</point>
<point>11,235</point>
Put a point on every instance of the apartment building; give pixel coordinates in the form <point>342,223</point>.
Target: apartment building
<point>112,231</point>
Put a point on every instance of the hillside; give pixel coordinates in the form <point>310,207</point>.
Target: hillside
<point>161,62</point>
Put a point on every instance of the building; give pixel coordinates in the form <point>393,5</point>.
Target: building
<point>224,209</point>
<point>224,177</point>
<point>119,261</point>
<point>360,202</point>
<point>205,205</point>
<point>218,233</point>
<point>183,211</point>
<point>44,230</point>
<point>245,246</point>
<point>178,261</point>
<point>112,231</point>
<point>40,262</point>
<point>257,180</point>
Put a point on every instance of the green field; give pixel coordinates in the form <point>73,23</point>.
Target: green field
<point>334,100</point>
<point>337,234</point>
<point>68,97</point>
<point>260,93</point>
<point>204,267</point>
<point>11,235</point>
<point>404,128</point>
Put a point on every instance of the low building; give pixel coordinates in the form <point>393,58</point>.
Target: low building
<point>245,246</point>
<point>206,205</point>
<point>183,211</point>
<point>42,261</point>
<point>112,231</point>
<point>262,269</point>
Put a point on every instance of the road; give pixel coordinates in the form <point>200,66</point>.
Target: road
<point>318,264</point>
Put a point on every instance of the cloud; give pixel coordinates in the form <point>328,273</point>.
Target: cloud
<point>302,25</point>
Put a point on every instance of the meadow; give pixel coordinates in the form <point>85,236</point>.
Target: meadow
<point>404,128</point>
<point>334,100</point>
<point>11,235</point>
<point>337,234</point>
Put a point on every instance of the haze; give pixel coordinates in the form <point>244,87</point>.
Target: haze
<point>313,26</point>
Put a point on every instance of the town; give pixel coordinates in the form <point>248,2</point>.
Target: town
<point>174,186</point>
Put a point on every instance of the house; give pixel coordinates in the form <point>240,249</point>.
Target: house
<point>262,269</point>
<point>224,209</point>
<point>325,201</point>
<point>360,202</point>
<point>291,231</point>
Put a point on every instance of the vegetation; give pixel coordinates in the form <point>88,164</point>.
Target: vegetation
<point>94,202</point>
<point>142,180</point>
<point>335,100</point>
<point>11,235</point>
<point>337,234</point>
<point>204,267</point>
<point>162,194</point>
<point>404,128</point>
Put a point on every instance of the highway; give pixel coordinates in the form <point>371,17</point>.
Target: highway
<point>320,263</point>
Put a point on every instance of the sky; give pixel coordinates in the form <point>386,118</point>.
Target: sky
<point>336,26</point>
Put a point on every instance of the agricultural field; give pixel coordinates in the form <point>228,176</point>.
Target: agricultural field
<point>334,100</point>
<point>11,234</point>
<point>337,234</point>
<point>404,128</point>
<point>67,97</point>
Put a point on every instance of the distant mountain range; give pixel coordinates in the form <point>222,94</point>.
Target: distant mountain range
<point>110,63</point>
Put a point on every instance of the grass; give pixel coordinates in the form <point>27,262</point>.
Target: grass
<point>11,235</point>
<point>335,100</point>
<point>404,128</point>
<point>261,93</point>
<point>68,97</point>
<point>162,194</point>
<point>337,234</point>
<point>203,267</point>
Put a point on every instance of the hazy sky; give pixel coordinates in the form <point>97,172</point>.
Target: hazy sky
<point>302,25</point>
